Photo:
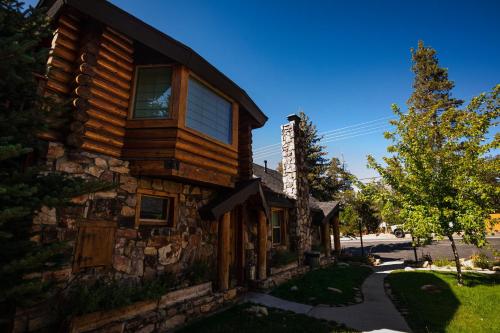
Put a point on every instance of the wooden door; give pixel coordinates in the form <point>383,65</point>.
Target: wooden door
<point>95,243</point>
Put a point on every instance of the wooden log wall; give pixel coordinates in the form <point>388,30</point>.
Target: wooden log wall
<point>201,158</point>
<point>245,159</point>
<point>61,64</point>
<point>93,65</point>
<point>102,94</point>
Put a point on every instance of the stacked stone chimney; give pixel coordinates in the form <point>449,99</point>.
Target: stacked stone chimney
<point>295,183</point>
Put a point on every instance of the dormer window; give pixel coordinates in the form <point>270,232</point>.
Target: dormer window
<point>208,112</point>
<point>153,87</point>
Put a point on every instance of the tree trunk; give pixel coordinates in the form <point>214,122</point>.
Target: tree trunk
<point>457,261</point>
<point>414,248</point>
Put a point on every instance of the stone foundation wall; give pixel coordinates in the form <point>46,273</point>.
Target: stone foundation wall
<point>143,252</point>
<point>282,274</point>
<point>172,310</point>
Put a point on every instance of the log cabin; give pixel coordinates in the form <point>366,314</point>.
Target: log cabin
<point>174,135</point>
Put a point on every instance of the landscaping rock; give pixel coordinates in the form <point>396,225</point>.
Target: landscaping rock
<point>294,288</point>
<point>430,288</point>
<point>335,290</point>
<point>343,264</point>
<point>467,263</point>
<point>377,262</point>
<point>409,269</point>
<point>258,310</point>
<point>425,264</point>
<point>495,268</point>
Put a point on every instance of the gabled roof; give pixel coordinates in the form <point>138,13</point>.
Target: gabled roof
<point>228,200</point>
<point>273,181</point>
<point>132,27</point>
<point>328,208</point>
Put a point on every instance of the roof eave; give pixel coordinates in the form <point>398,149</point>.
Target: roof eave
<point>136,29</point>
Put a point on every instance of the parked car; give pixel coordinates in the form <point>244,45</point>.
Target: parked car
<point>398,231</point>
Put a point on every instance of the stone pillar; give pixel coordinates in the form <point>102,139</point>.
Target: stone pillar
<point>325,228</point>
<point>336,233</point>
<point>295,184</point>
<point>262,246</point>
<point>223,251</point>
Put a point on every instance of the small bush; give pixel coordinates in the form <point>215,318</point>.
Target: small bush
<point>318,248</point>
<point>200,271</point>
<point>368,259</point>
<point>102,295</point>
<point>481,260</point>
<point>283,257</point>
<point>443,262</point>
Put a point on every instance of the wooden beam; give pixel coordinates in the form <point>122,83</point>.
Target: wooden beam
<point>336,233</point>
<point>223,251</point>
<point>240,243</point>
<point>262,245</point>
<point>325,228</point>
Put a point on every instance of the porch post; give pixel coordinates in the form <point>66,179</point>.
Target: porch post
<point>336,233</point>
<point>223,251</point>
<point>325,227</point>
<point>262,241</point>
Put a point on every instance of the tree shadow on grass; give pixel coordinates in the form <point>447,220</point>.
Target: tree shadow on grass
<point>424,311</point>
<point>475,279</point>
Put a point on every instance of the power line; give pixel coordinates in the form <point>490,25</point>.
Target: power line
<point>333,139</point>
<point>331,136</point>
<point>331,131</point>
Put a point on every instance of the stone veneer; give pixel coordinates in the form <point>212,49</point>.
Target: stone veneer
<point>139,253</point>
<point>295,184</point>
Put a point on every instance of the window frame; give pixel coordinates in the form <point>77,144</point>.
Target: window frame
<point>134,92</point>
<point>282,227</point>
<point>233,116</point>
<point>171,220</point>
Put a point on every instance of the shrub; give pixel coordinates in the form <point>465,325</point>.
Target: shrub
<point>87,298</point>
<point>318,248</point>
<point>367,259</point>
<point>443,262</point>
<point>200,271</point>
<point>481,260</point>
<point>283,257</point>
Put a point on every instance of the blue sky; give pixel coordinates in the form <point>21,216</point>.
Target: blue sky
<point>342,62</point>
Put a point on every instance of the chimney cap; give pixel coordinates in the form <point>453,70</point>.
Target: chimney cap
<point>293,117</point>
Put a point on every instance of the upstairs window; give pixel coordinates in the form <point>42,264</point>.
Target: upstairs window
<point>277,220</point>
<point>208,112</point>
<point>153,87</point>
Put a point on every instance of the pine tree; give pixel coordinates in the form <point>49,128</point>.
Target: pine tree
<point>315,158</point>
<point>438,164</point>
<point>25,186</point>
<point>339,179</point>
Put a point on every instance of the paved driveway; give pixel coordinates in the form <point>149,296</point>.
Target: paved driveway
<point>394,248</point>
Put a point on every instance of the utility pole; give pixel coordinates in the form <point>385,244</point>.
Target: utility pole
<point>361,236</point>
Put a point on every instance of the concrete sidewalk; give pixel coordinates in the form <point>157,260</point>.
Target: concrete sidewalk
<point>375,314</point>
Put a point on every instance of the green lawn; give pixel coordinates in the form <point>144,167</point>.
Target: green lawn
<point>472,308</point>
<point>236,319</point>
<point>313,286</point>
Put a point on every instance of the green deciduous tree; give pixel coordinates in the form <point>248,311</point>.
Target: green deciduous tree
<point>438,162</point>
<point>25,185</point>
